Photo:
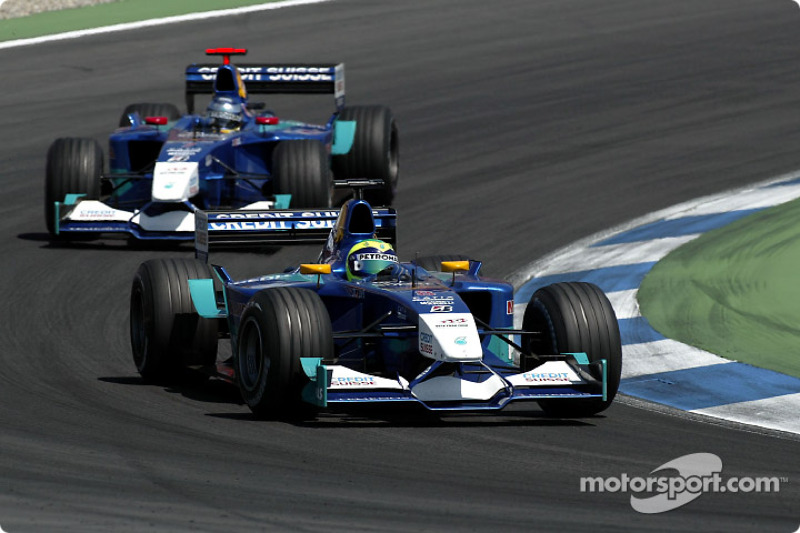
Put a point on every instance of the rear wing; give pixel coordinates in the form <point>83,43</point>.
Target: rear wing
<point>271,79</point>
<point>277,227</point>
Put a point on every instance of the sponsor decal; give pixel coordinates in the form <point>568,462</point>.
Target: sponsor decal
<point>187,149</point>
<point>174,169</point>
<point>424,293</point>
<point>441,309</point>
<point>300,70</point>
<point>249,226</point>
<point>300,77</point>
<point>267,214</point>
<point>533,377</point>
<point>245,221</point>
<point>461,341</point>
<point>376,257</point>
<point>237,140</point>
<point>510,307</point>
<point>272,70</point>
<point>452,323</point>
<point>426,343</point>
<point>314,224</point>
<point>352,381</point>
<point>199,136</point>
<point>95,213</point>
<point>431,300</point>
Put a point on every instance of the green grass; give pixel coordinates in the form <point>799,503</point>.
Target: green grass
<point>734,291</point>
<point>118,12</point>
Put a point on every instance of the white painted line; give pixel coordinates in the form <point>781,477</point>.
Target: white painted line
<point>778,413</point>
<point>157,22</point>
<point>657,357</point>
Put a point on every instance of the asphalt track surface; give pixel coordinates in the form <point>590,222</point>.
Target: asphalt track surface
<point>525,126</point>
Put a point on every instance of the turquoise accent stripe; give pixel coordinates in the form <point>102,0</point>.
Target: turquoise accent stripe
<point>580,357</point>
<point>344,133</point>
<point>315,392</point>
<point>499,349</point>
<point>282,201</point>
<point>309,365</point>
<point>72,199</point>
<point>605,379</point>
<point>204,298</point>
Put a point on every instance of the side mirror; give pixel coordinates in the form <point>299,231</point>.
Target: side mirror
<point>455,266</point>
<point>315,268</point>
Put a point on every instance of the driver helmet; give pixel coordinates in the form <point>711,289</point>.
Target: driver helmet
<point>368,258</point>
<point>225,113</point>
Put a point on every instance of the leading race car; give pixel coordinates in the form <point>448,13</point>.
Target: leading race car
<point>358,325</point>
<point>164,166</point>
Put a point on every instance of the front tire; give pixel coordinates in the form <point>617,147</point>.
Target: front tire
<point>278,327</point>
<point>301,168</point>
<point>576,317</point>
<point>167,334</point>
<point>375,153</point>
<point>74,166</point>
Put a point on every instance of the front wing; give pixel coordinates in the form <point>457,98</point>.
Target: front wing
<point>462,387</point>
<point>75,217</point>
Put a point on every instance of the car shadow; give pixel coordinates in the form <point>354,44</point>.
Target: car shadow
<point>413,415</point>
<point>213,391</point>
<point>366,415</point>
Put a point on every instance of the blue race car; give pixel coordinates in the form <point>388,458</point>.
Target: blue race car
<point>358,325</point>
<point>163,167</point>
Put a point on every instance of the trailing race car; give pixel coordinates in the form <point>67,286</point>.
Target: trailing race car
<point>357,325</point>
<point>163,167</point>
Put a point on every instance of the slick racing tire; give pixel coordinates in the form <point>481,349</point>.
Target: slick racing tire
<point>277,328</point>
<point>433,263</point>
<point>575,317</point>
<point>149,110</point>
<point>167,335</point>
<point>375,153</point>
<point>301,168</point>
<point>74,166</point>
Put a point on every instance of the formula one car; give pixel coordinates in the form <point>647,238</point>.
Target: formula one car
<point>358,325</point>
<point>164,167</point>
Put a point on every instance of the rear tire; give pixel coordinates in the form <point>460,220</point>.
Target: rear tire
<point>278,327</point>
<point>167,334</point>
<point>149,110</point>
<point>375,153</point>
<point>74,166</point>
<point>301,168</point>
<point>575,317</point>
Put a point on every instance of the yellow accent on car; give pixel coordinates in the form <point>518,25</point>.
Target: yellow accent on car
<point>455,266</point>
<point>315,268</point>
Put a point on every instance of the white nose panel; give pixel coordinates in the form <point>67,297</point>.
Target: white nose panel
<point>175,182</point>
<point>449,337</point>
